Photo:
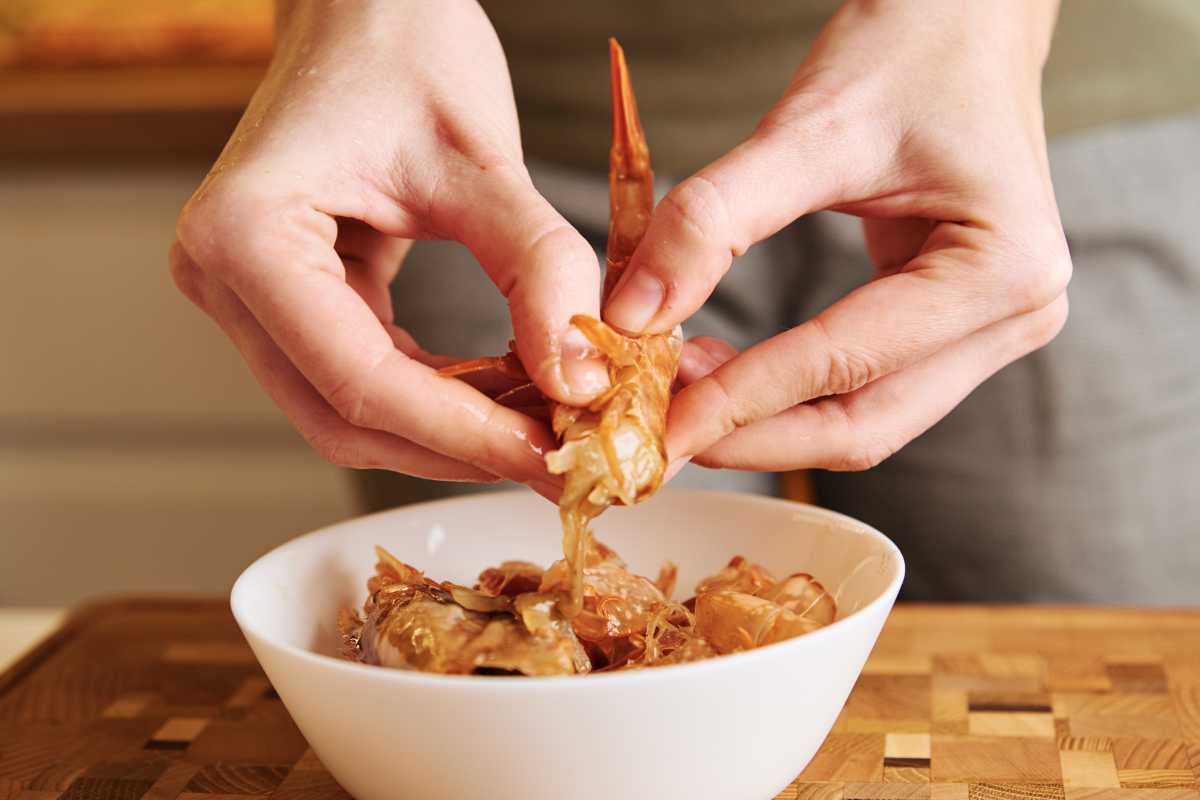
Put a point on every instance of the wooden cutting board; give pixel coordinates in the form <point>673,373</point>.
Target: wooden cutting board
<point>162,699</point>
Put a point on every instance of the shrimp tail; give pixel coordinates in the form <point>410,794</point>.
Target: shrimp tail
<point>630,178</point>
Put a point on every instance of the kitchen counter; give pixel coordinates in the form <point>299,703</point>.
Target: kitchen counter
<point>22,628</point>
<point>955,703</point>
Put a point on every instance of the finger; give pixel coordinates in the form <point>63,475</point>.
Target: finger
<point>701,355</point>
<point>967,279</point>
<point>293,283</point>
<point>858,430</point>
<point>674,468</point>
<point>405,343</point>
<point>745,196</point>
<point>546,270</point>
<point>372,260</point>
<point>329,434</point>
<point>892,243</point>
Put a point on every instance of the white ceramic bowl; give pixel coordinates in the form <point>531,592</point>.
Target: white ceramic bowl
<point>740,726</point>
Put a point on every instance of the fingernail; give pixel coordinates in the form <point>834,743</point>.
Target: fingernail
<point>584,372</point>
<point>585,377</point>
<point>575,344</point>
<point>635,305</point>
<point>678,446</point>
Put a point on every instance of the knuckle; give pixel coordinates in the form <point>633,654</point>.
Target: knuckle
<point>331,445</point>
<point>1046,324</point>
<point>1050,282</point>
<point>1058,313</point>
<point>1038,282</point>
<point>698,210</point>
<point>225,225</point>
<point>864,456</point>
<point>554,248</point>
<point>736,411</point>
<point>861,450</point>
<point>349,399</point>
<point>198,222</point>
<point>1059,275</point>
<point>471,148</point>
<point>351,396</point>
<point>847,371</point>
<point>187,276</point>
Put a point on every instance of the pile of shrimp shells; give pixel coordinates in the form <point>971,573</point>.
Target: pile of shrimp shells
<point>512,622</point>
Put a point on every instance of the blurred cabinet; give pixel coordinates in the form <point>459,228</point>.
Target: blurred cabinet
<point>136,451</point>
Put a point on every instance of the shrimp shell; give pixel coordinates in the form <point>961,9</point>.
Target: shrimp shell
<point>510,578</point>
<point>410,622</point>
<point>733,621</point>
<point>738,575</point>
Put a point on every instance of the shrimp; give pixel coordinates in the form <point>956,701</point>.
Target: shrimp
<point>804,595</point>
<point>738,575</point>
<point>671,638</point>
<point>612,450</point>
<point>412,622</point>
<point>512,621</point>
<point>733,621</point>
<point>743,607</point>
<point>616,609</point>
<point>510,578</point>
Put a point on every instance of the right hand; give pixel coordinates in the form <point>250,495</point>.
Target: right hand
<point>376,124</point>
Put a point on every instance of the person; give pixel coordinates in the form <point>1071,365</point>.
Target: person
<point>836,341</point>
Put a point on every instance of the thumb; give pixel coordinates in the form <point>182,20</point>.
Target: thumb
<point>754,190</point>
<point>548,273</point>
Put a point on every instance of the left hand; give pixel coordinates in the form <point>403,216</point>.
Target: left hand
<point>925,120</point>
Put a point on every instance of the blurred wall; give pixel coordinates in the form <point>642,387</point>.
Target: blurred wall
<point>136,451</point>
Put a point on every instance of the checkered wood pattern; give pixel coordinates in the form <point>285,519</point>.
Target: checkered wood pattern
<point>162,700</point>
<point>1019,703</point>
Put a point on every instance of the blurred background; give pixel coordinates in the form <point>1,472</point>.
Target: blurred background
<point>131,434</point>
<point>136,451</point>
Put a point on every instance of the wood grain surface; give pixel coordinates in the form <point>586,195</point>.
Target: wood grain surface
<point>161,699</point>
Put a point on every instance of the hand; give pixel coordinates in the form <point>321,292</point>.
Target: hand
<point>379,123</point>
<point>925,120</point>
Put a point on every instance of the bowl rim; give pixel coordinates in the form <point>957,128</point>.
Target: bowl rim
<point>250,630</point>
